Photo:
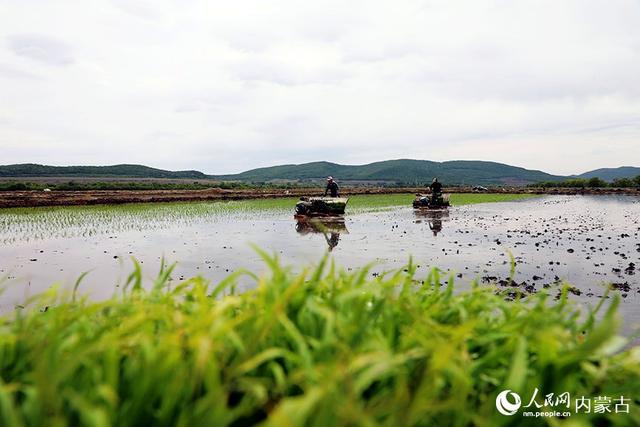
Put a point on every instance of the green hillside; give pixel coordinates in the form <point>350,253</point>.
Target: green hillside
<point>404,170</point>
<point>124,171</point>
<point>610,174</point>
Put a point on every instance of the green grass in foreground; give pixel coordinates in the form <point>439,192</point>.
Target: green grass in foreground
<point>320,348</point>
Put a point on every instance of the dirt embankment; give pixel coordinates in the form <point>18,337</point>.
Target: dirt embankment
<point>10,199</point>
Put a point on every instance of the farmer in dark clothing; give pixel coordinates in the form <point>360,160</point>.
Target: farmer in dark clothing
<point>436,191</point>
<point>436,188</point>
<point>331,187</point>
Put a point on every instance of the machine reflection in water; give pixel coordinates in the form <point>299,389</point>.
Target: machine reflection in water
<point>434,218</point>
<point>330,228</point>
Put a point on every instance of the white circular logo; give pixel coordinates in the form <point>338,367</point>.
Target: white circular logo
<point>504,406</point>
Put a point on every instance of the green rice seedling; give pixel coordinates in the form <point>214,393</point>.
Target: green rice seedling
<point>368,203</point>
<point>323,347</point>
<point>460,199</point>
<point>27,224</point>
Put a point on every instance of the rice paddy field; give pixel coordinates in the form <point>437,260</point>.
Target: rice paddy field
<point>234,313</point>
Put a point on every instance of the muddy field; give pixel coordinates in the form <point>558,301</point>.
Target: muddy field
<point>10,199</point>
<point>585,240</point>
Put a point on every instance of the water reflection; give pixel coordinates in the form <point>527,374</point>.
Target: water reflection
<point>434,218</point>
<point>330,228</point>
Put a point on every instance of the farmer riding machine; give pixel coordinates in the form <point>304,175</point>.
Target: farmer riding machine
<point>320,206</point>
<point>431,201</point>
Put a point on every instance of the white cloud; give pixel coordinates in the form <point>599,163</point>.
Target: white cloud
<point>221,86</point>
<point>45,49</point>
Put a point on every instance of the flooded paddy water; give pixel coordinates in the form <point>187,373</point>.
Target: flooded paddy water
<point>586,240</point>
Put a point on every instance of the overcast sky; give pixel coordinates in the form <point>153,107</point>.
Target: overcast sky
<point>225,86</point>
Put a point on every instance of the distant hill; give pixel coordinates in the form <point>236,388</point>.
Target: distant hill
<point>390,171</point>
<point>123,171</point>
<point>610,174</point>
<point>404,170</point>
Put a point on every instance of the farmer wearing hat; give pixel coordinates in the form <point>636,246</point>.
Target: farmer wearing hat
<point>436,187</point>
<point>331,186</point>
<point>436,190</point>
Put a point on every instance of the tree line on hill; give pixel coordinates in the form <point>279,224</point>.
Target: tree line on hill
<point>138,186</point>
<point>130,171</point>
<point>196,185</point>
<point>594,182</point>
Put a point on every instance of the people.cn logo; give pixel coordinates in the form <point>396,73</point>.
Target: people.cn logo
<point>504,406</point>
